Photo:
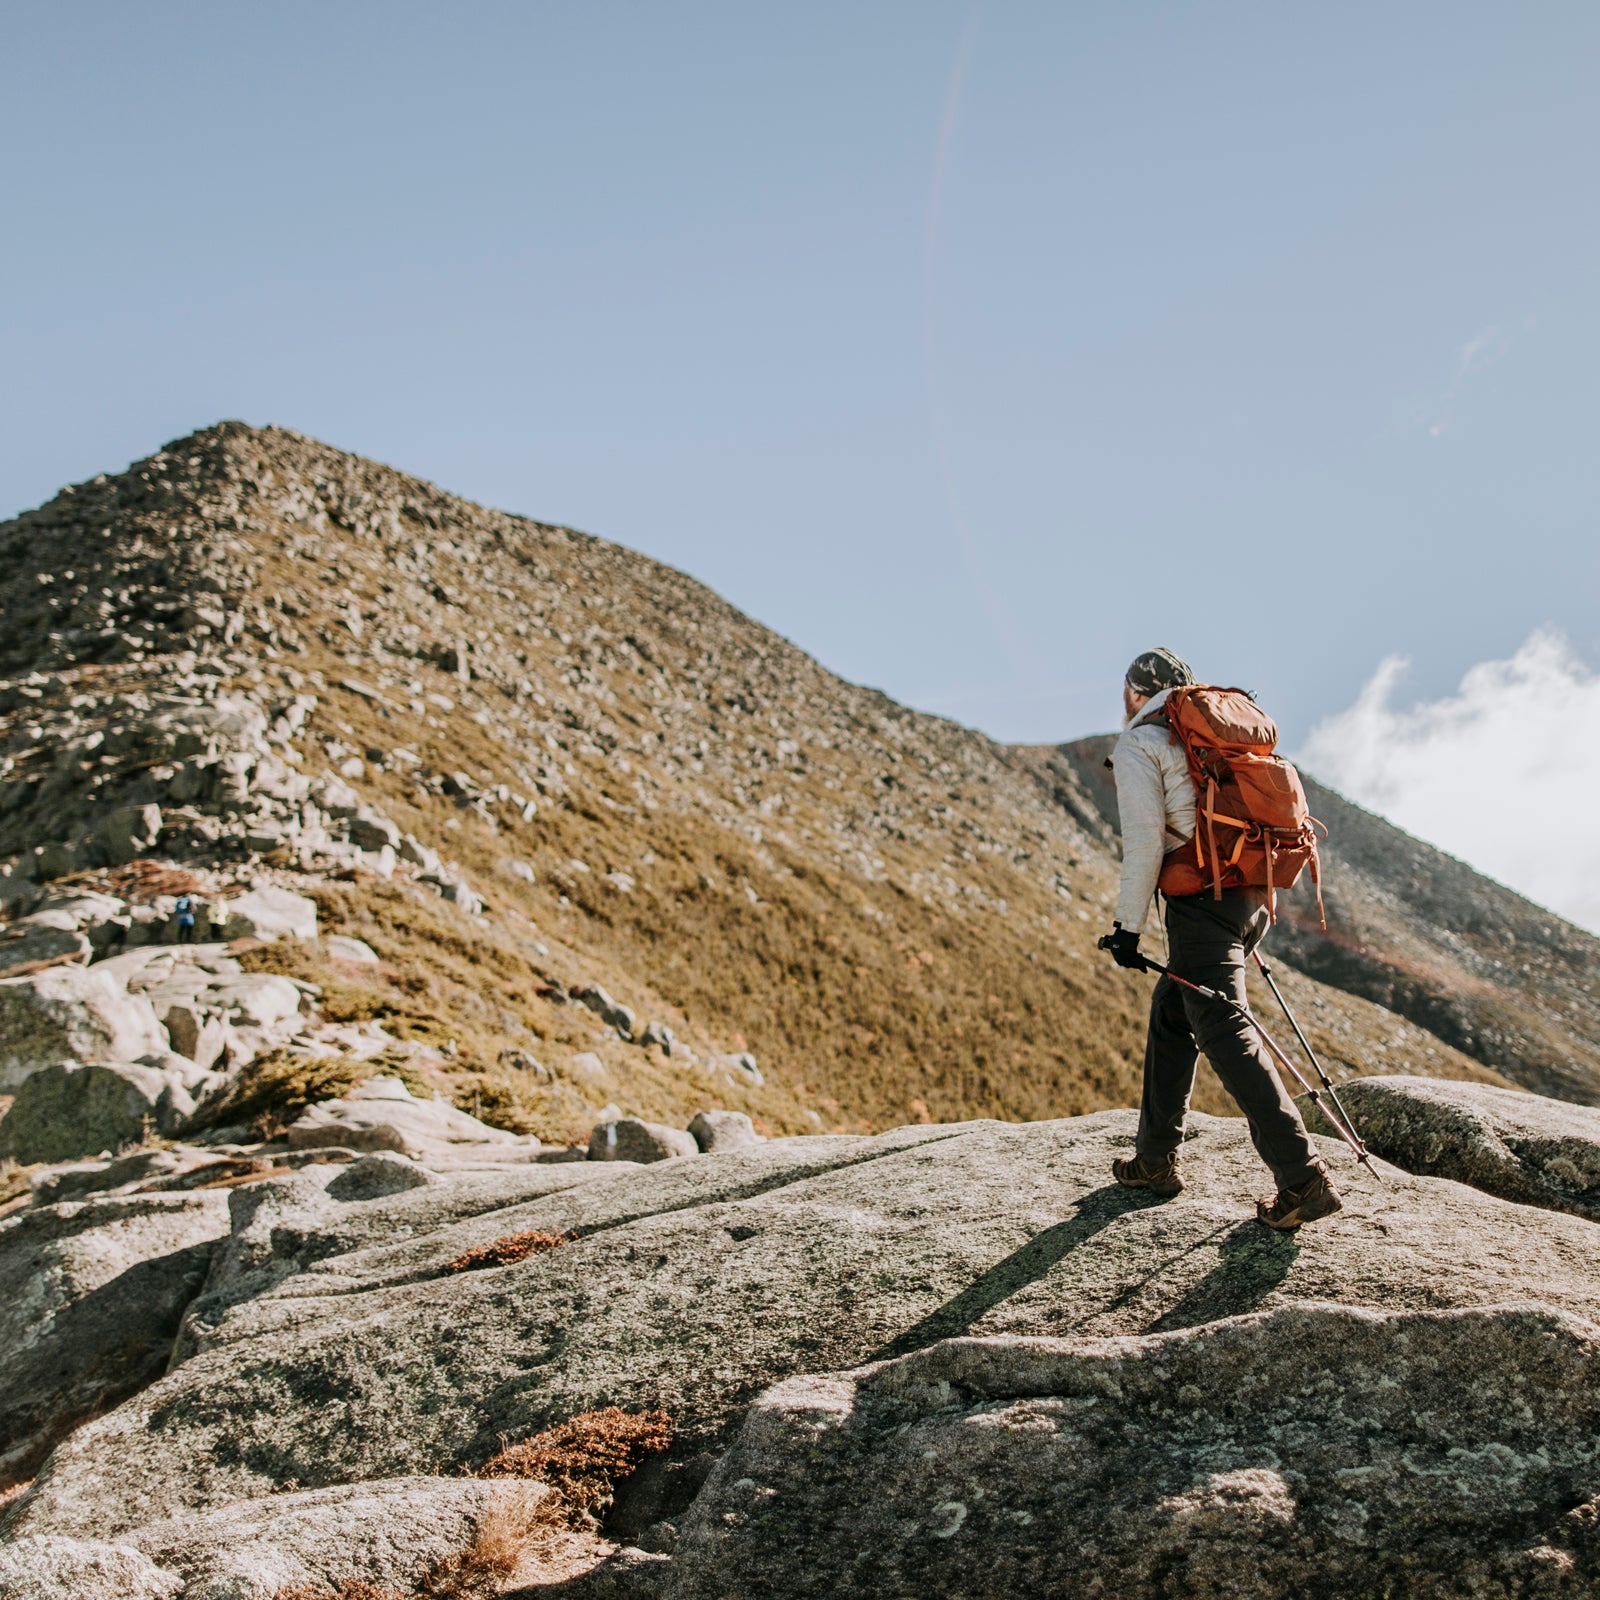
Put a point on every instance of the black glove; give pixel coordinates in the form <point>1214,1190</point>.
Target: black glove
<point>1124,947</point>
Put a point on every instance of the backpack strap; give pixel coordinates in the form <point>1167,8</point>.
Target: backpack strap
<point>1211,837</point>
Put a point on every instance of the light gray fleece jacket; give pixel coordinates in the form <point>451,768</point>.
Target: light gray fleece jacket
<point>1155,801</point>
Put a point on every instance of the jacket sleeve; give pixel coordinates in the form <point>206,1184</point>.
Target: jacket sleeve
<point>1142,808</point>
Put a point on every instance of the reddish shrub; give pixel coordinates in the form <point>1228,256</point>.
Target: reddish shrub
<point>505,1250</point>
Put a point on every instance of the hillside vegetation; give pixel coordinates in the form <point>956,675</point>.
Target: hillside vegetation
<point>608,776</point>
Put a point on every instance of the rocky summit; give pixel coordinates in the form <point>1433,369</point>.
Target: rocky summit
<point>517,1081</point>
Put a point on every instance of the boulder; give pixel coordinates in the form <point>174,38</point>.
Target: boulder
<point>660,1035</point>
<point>375,1176</point>
<point>71,1014</point>
<point>67,1111</point>
<point>269,914</point>
<point>456,890</point>
<point>83,906</point>
<point>20,890</point>
<point>45,1566</point>
<point>335,796</point>
<point>697,1285</point>
<point>369,831</point>
<point>1519,1146</point>
<point>382,1114</point>
<point>91,1296</point>
<point>194,1034</point>
<point>391,1534</point>
<point>37,942</point>
<point>628,1139</point>
<point>343,948</point>
<point>717,1132</point>
<point>611,1011</point>
<point>1317,1450</point>
<point>260,1000</point>
<point>126,834</point>
<point>418,854</point>
<point>740,1068</point>
<point>58,857</point>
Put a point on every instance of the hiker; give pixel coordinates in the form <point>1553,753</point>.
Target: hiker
<point>1211,931</point>
<point>185,911</point>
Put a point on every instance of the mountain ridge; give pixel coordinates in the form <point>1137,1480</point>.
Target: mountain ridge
<point>653,795</point>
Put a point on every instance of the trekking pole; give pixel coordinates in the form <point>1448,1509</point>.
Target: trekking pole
<point>1305,1044</point>
<point>1315,1095</point>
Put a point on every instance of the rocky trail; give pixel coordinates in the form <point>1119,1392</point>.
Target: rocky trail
<point>515,1080</point>
<point>951,1359</point>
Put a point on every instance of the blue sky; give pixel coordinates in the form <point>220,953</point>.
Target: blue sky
<point>973,347</point>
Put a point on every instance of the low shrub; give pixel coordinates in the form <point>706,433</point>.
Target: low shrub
<point>506,1250</point>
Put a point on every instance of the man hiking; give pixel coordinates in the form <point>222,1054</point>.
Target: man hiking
<point>1211,931</point>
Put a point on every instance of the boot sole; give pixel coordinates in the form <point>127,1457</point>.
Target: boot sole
<point>1313,1212</point>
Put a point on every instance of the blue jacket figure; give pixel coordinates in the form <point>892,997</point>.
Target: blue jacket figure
<point>185,910</point>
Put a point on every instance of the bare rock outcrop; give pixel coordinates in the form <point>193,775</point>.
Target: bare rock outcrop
<point>392,1534</point>
<point>71,1014</point>
<point>1311,1450</point>
<point>699,1284</point>
<point>1522,1147</point>
<point>45,1566</point>
<point>382,1114</point>
<point>67,1111</point>
<point>293,1222</point>
<point>30,944</point>
<point>91,1295</point>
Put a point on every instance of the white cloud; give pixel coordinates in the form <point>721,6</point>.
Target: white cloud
<point>1505,773</point>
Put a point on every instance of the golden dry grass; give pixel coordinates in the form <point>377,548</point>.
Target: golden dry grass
<point>271,1092</point>
<point>584,1458</point>
<point>519,1527</point>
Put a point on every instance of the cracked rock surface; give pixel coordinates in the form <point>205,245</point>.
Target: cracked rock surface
<point>1310,1450</point>
<point>91,1296</point>
<point>695,1285</point>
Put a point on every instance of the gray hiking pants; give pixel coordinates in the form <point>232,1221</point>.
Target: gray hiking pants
<point>1208,942</point>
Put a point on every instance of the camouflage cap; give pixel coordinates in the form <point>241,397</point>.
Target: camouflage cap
<point>1158,669</point>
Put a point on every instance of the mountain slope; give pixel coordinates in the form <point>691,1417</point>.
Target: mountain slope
<point>303,658</point>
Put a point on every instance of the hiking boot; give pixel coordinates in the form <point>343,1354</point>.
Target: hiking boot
<point>1315,1198</point>
<point>1158,1174</point>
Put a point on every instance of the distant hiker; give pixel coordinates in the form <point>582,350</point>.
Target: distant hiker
<point>185,910</point>
<point>1218,907</point>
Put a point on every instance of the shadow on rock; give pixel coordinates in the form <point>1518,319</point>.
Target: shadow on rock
<point>1095,1211</point>
<point>1255,1260</point>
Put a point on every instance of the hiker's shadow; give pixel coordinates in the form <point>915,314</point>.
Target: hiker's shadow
<point>1096,1210</point>
<point>1255,1260</point>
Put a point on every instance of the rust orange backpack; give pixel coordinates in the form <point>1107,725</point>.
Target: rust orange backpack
<point>1252,825</point>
